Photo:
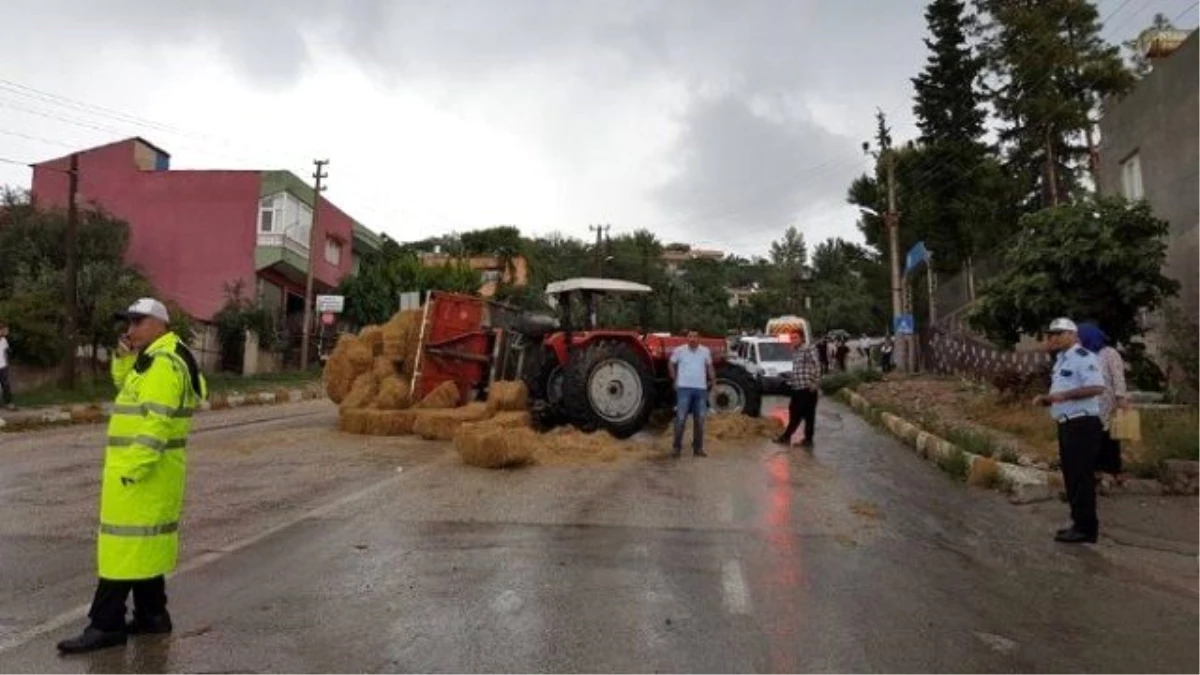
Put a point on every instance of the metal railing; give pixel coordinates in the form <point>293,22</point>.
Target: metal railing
<point>284,241</point>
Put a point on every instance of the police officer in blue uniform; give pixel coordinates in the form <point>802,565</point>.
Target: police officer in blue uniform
<point>1076,384</point>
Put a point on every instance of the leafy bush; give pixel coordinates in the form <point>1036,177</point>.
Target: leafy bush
<point>834,382</point>
<point>239,315</point>
<point>1015,386</point>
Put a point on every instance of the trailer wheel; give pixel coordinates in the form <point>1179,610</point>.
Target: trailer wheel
<point>735,391</point>
<point>608,386</point>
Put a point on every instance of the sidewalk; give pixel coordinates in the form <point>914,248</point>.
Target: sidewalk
<point>29,419</point>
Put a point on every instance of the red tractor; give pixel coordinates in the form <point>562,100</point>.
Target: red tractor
<point>577,374</point>
<point>614,379</point>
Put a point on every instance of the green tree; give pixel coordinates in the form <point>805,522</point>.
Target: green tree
<point>1048,69</point>
<point>1098,261</point>
<point>32,279</point>
<point>373,293</point>
<point>848,288</point>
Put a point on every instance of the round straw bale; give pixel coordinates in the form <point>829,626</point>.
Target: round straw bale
<point>512,395</point>
<point>362,393</point>
<point>445,395</point>
<point>393,394</point>
<point>353,421</point>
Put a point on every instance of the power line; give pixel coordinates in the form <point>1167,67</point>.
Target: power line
<point>1186,11</point>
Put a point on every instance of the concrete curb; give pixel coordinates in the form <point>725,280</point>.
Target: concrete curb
<point>92,413</point>
<point>1023,484</point>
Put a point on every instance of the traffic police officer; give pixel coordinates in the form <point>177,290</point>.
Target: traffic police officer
<point>1076,384</point>
<point>159,387</point>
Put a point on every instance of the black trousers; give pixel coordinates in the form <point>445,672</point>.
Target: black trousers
<point>803,406</point>
<point>108,605</point>
<point>5,387</point>
<point>1079,441</point>
<point>1109,459</point>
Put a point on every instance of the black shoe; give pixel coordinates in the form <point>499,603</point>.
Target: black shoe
<point>1073,536</point>
<point>700,453</point>
<point>92,639</point>
<point>155,625</point>
<point>807,444</point>
<point>782,441</point>
<point>675,453</point>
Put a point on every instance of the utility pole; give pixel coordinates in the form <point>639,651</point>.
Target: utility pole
<point>892,220</point>
<point>601,231</point>
<point>318,176</point>
<point>72,272</point>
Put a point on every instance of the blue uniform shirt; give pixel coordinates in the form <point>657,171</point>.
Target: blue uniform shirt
<point>1076,368</point>
<point>691,367</point>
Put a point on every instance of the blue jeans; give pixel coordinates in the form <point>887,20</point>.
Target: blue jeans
<point>692,402</point>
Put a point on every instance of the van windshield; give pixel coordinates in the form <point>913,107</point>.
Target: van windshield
<point>774,351</point>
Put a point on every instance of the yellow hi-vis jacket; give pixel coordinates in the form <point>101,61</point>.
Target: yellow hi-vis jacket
<point>141,494</point>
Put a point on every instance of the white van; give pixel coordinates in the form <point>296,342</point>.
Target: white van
<point>769,360</point>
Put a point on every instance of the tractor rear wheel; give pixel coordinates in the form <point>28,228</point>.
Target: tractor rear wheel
<point>735,391</point>
<point>608,385</point>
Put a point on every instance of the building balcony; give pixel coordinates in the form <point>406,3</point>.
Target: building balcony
<point>283,253</point>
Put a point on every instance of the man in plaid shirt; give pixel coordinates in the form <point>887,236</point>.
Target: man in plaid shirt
<point>805,376</point>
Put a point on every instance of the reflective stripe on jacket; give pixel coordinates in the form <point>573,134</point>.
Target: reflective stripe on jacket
<point>141,495</point>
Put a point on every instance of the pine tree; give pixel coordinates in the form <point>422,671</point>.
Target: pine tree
<point>1048,71</point>
<point>948,106</point>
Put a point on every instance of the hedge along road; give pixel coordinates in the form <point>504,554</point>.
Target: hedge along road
<point>306,550</point>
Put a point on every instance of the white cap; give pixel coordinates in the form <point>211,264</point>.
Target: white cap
<point>146,307</point>
<point>1063,325</point>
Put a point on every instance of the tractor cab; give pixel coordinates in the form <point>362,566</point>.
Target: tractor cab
<point>586,291</point>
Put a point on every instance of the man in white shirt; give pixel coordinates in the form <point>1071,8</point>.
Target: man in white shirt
<point>691,369</point>
<point>6,398</point>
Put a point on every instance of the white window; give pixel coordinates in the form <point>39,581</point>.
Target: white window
<point>1131,178</point>
<point>296,220</point>
<point>270,213</point>
<point>333,251</point>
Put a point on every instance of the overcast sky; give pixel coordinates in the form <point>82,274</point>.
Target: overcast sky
<point>713,122</point>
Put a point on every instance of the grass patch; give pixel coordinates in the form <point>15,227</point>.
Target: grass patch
<point>835,382</point>
<point>971,440</point>
<point>1171,433</point>
<point>1009,456</point>
<point>955,463</point>
<point>101,389</point>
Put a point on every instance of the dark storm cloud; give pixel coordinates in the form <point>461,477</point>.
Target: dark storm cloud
<point>744,68</point>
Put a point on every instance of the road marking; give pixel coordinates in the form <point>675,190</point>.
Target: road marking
<point>201,560</point>
<point>733,583</point>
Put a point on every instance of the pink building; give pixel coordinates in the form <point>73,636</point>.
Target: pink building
<point>193,232</point>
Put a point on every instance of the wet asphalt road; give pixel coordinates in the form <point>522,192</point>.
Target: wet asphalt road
<point>306,550</point>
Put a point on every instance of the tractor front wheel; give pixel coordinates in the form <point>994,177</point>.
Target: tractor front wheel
<point>735,391</point>
<point>610,386</point>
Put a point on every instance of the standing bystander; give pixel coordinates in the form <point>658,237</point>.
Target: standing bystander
<point>804,380</point>
<point>6,397</point>
<point>691,369</point>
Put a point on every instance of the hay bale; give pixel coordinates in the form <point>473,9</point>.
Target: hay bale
<point>383,368</point>
<point>350,359</point>
<point>397,334</point>
<point>371,337</point>
<point>365,421</point>
<point>362,393</point>
<point>442,425</point>
<point>445,395</point>
<point>353,421</point>
<point>393,394</point>
<point>512,395</point>
<point>88,414</point>
<point>985,472</point>
<point>497,448</point>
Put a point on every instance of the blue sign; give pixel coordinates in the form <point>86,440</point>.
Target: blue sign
<point>902,324</point>
<point>916,255</point>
